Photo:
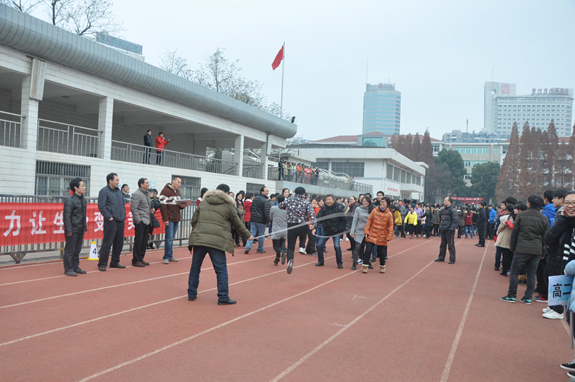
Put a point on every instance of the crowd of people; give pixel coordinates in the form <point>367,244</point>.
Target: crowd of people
<point>533,239</point>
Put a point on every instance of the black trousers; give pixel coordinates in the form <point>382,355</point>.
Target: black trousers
<point>541,281</point>
<point>507,259</point>
<point>147,153</point>
<point>293,234</point>
<point>490,230</point>
<point>381,253</point>
<point>554,267</point>
<point>159,155</point>
<point>113,236</point>
<point>72,251</point>
<point>447,242</point>
<point>310,247</point>
<point>140,242</point>
<point>278,246</point>
<point>351,241</point>
<point>481,234</point>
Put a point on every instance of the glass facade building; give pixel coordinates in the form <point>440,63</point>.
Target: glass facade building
<point>381,109</point>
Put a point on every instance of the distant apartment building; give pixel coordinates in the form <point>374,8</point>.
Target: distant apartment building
<point>502,107</point>
<point>381,109</point>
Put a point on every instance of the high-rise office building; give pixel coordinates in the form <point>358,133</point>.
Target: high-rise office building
<point>381,109</point>
<point>502,107</point>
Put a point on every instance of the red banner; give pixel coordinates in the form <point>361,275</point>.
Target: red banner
<point>36,223</point>
<point>468,200</point>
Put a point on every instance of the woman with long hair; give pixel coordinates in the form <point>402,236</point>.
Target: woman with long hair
<point>378,231</point>
<point>504,238</point>
<point>357,233</point>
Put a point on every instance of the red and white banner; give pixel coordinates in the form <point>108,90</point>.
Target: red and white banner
<point>36,223</point>
<point>468,200</point>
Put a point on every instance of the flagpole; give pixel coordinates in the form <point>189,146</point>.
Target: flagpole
<point>283,67</point>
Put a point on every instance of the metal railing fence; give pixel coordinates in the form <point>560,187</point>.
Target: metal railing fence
<point>10,129</point>
<point>322,181</point>
<point>17,252</point>
<point>252,170</point>
<point>64,138</point>
<point>129,152</point>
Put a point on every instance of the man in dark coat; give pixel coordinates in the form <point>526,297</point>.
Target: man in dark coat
<point>447,228</point>
<point>260,217</point>
<point>481,224</point>
<point>113,209</point>
<point>147,143</point>
<point>527,242</point>
<point>74,227</point>
<point>211,235</point>
<point>333,226</point>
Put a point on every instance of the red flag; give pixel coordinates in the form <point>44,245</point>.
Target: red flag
<point>278,59</point>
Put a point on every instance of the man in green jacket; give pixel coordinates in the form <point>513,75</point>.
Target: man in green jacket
<point>211,235</point>
<point>527,241</point>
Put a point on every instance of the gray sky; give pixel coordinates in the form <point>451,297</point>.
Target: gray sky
<point>438,53</point>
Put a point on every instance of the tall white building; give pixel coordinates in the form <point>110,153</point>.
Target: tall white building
<point>502,107</point>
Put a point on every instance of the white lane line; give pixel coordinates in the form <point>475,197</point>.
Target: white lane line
<point>339,332</point>
<point>451,356</point>
<point>139,307</point>
<point>115,286</point>
<point>210,329</point>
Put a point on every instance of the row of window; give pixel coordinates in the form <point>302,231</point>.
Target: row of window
<point>402,176</point>
<point>471,163</point>
<point>475,150</point>
<point>354,169</point>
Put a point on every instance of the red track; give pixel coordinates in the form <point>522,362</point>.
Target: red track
<point>421,321</point>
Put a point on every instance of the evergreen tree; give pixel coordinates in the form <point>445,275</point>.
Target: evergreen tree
<point>552,148</point>
<point>426,152</point>
<point>416,148</point>
<point>408,148</point>
<point>507,180</point>
<point>399,145</point>
<point>525,181</point>
<point>570,159</point>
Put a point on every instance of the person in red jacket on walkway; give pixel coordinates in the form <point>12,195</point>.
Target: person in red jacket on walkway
<point>160,143</point>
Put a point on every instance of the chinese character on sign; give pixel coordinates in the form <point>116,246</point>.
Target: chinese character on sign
<point>59,222</point>
<point>13,217</point>
<point>130,222</point>
<point>99,219</point>
<point>505,89</point>
<point>37,229</point>
<point>557,290</point>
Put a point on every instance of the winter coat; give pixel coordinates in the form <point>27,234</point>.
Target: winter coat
<point>75,214</point>
<point>549,211</point>
<point>460,218</point>
<point>140,207</point>
<point>504,232</point>
<point>469,218</point>
<point>111,204</point>
<point>260,210</point>
<point>168,204</point>
<point>298,209</point>
<point>428,218</point>
<point>528,233</point>
<point>492,215</point>
<point>481,217</point>
<point>558,238</point>
<point>449,219</point>
<point>379,227</point>
<point>349,215</point>
<point>211,222</point>
<point>334,225</point>
<point>279,220</point>
<point>397,218</point>
<point>360,217</point>
<point>436,217</point>
<point>248,210</point>
<point>155,204</point>
<point>411,218</point>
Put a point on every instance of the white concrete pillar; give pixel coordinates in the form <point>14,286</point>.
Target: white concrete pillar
<point>29,112</point>
<point>239,154</point>
<point>264,160</point>
<point>105,122</point>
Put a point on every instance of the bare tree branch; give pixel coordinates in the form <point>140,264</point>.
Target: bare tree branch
<point>172,63</point>
<point>24,6</point>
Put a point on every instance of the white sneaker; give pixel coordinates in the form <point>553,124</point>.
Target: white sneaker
<point>548,309</point>
<point>359,262</point>
<point>553,315</point>
<point>302,251</point>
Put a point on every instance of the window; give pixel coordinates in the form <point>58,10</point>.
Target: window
<point>403,176</point>
<point>190,188</point>
<point>354,169</point>
<point>496,150</point>
<point>396,173</point>
<point>53,179</point>
<point>254,188</point>
<point>389,171</point>
<point>373,141</point>
<point>322,165</point>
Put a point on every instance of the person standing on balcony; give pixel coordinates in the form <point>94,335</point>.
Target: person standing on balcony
<point>142,214</point>
<point>170,210</point>
<point>299,175</point>
<point>260,216</point>
<point>308,173</point>
<point>147,143</point>
<point>280,169</point>
<point>160,143</point>
<point>74,227</point>
<point>113,209</point>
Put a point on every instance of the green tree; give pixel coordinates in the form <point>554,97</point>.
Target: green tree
<point>484,179</point>
<point>454,162</point>
<point>416,148</point>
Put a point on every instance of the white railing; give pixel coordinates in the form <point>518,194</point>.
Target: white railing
<point>10,129</point>
<point>64,138</point>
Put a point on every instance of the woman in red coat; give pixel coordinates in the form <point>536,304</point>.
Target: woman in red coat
<point>378,231</point>
<point>160,143</point>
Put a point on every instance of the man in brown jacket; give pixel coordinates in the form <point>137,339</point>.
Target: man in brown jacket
<point>170,210</point>
<point>211,235</point>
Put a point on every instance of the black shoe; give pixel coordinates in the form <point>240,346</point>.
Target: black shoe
<point>353,267</point>
<point>349,249</point>
<point>71,273</point>
<point>191,298</point>
<point>247,252</point>
<point>227,302</point>
<point>289,267</point>
<point>138,264</point>
<point>80,271</point>
<point>479,245</point>
<point>261,251</point>
<point>144,262</point>
<point>340,266</point>
<point>117,266</point>
<point>319,265</point>
<point>276,261</point>
<point>102,268</point>
<point>568,366</point>
<point>571,374</point>
<point>451,262</point>
<point>370,266</point>
<point>439,260</point>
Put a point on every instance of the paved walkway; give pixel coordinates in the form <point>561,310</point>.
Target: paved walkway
<point>421,321</point>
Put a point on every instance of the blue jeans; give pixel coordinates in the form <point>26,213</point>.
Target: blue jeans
<point>321,244</point>
<point>318,232</point>
<point>257,229</point>
<point>219,262</point>
<point>468,230</point>
<point>171,230</point>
